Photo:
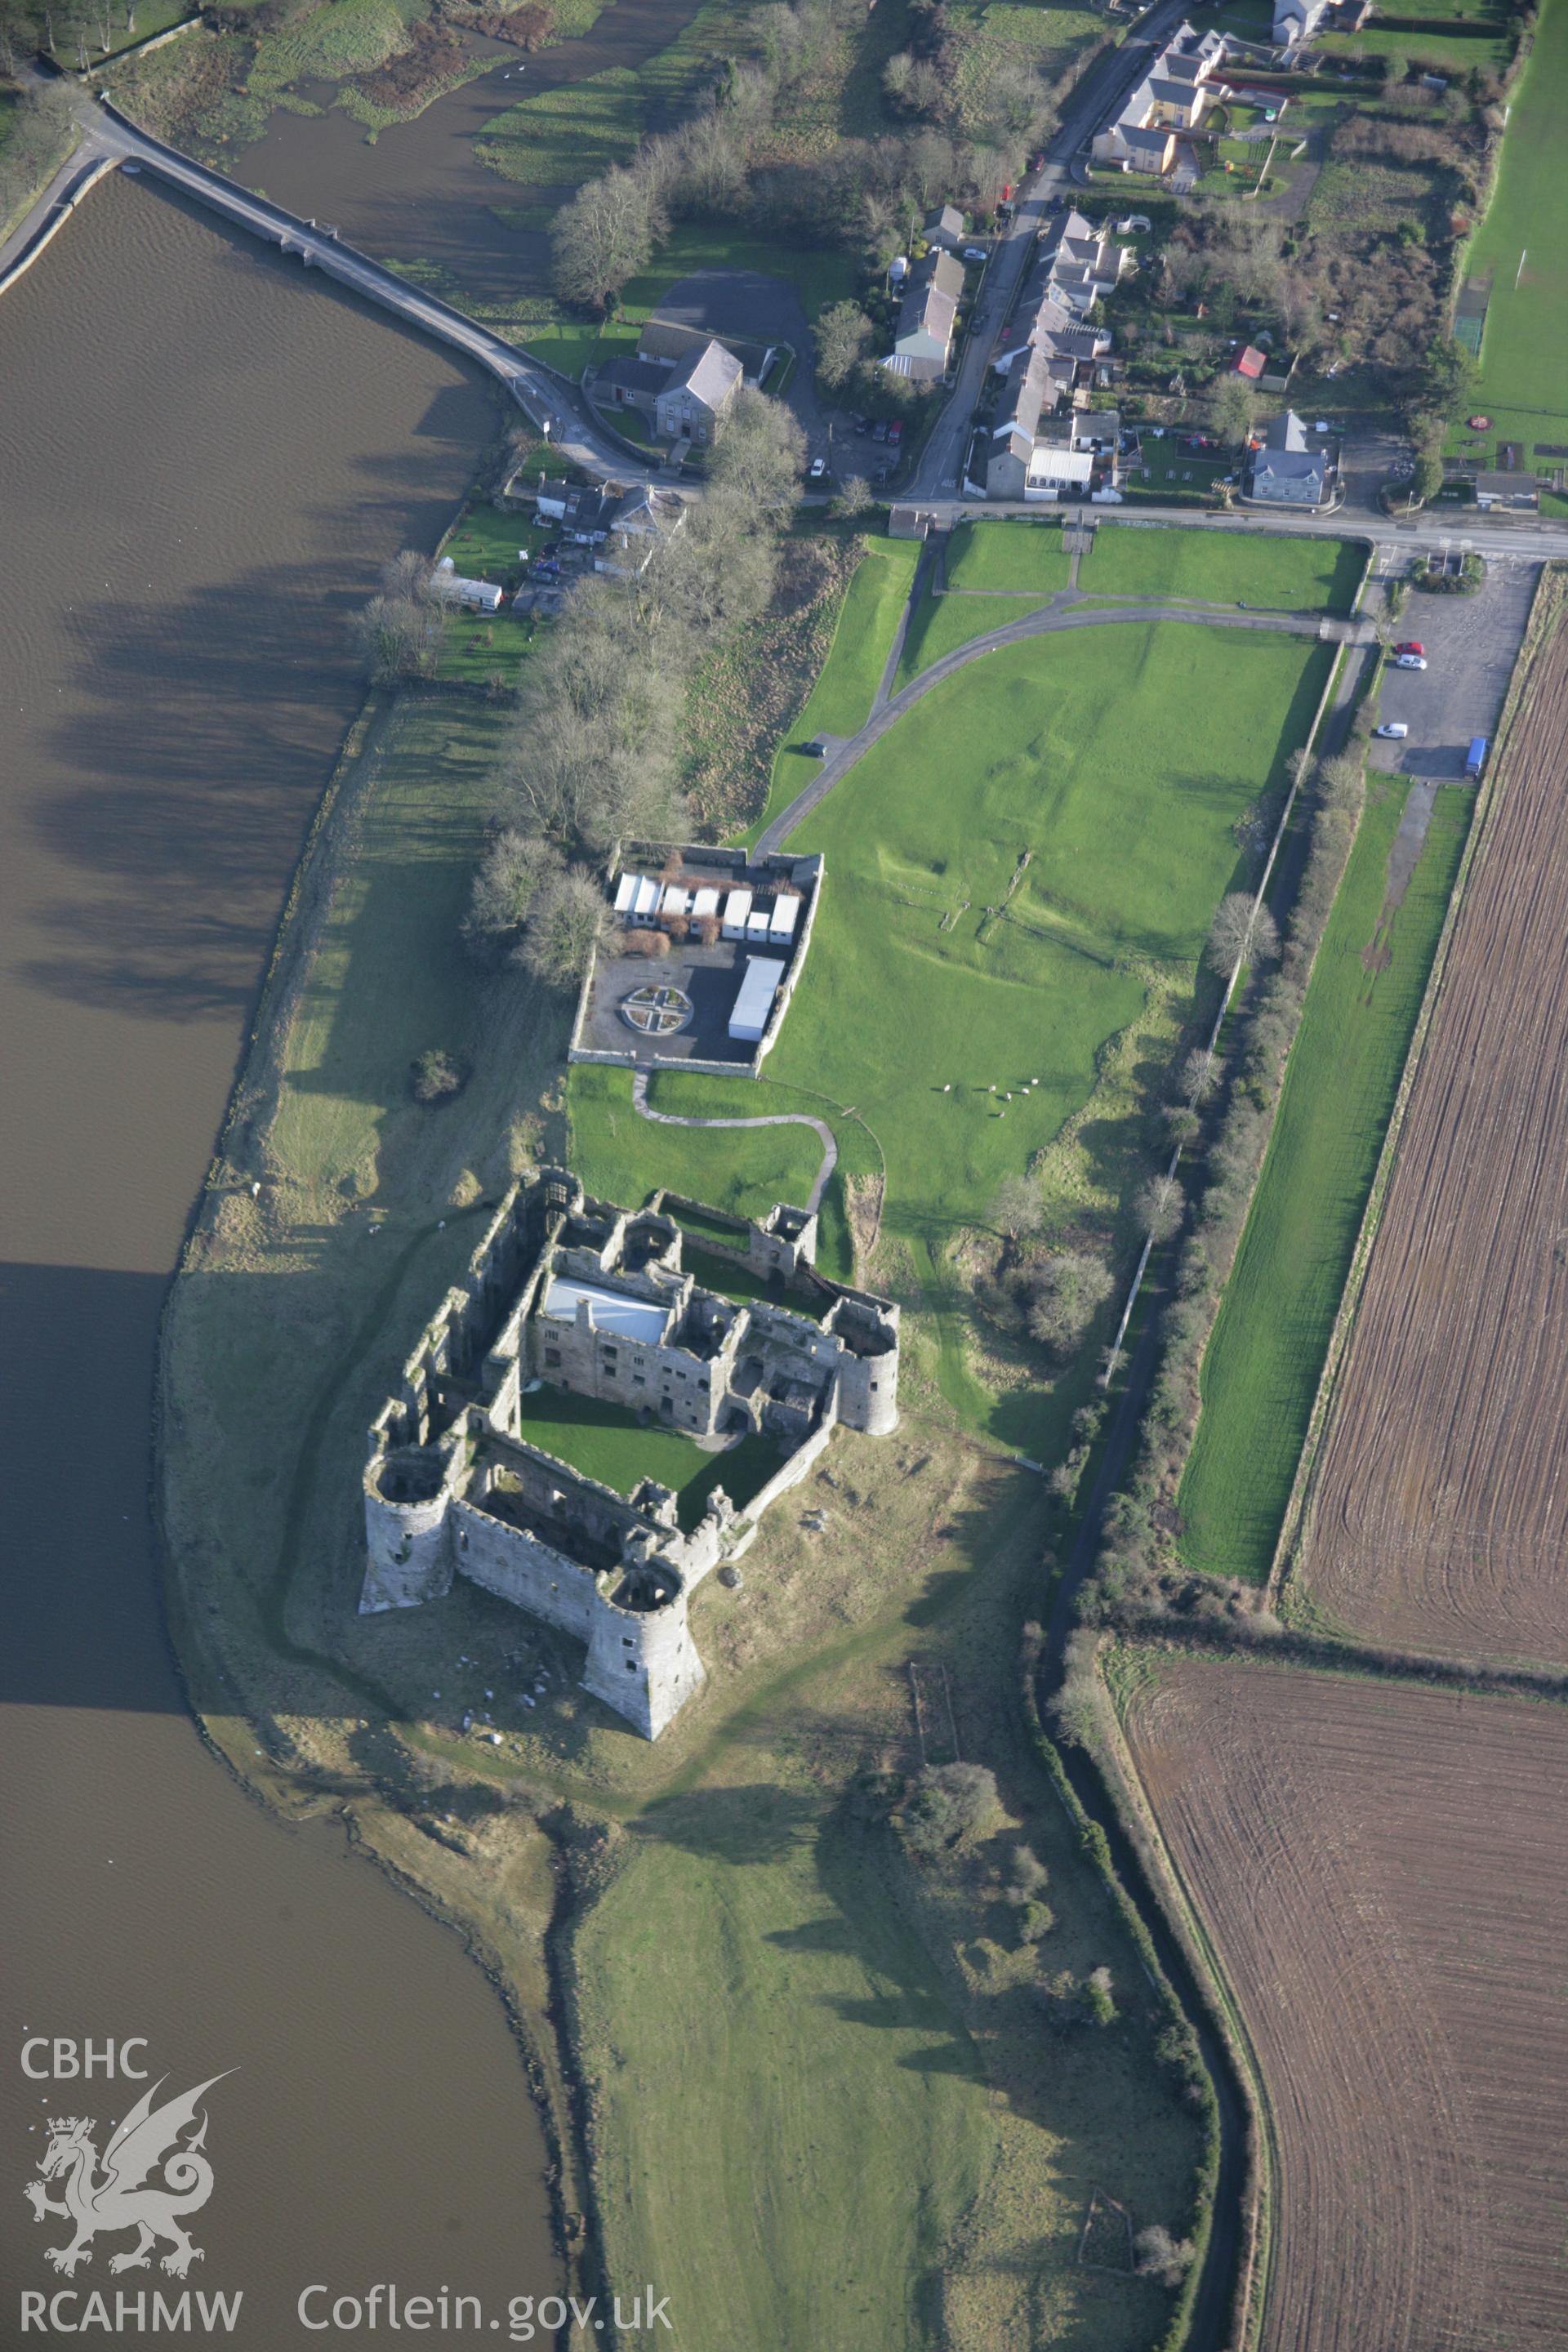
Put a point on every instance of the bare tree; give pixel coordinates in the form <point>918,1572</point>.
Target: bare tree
<point>567,925</point>
<point>605,234</point>
<point>855,497</point>
<point>1018,1207</point>
<point>397,638</point>
<point>841,335</point>
<point>761,453</point>
<point>1159,1206</point>
<point>1065,1293</point>
<point>409,576</point>
<point>514,869</point>
<point>1243,931</point>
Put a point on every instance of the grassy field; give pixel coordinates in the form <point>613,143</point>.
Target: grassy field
<point>605,1441</point>
<point>1524,349</point>
<point>1261,1368</point>
<point>1007,560</point>
<point>1008,556</point>
<point>840,702</point>
<point>566,136</point>
<point>1299,576</point>
<point>151,17</point>
<point>1020,876</point>
<point>880,2145</point>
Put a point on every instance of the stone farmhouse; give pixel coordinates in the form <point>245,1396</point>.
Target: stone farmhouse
<point>1179,89</point>
<point>683,384</point>
<point>1286,471</point>
<point>927,319</point>
<point>576,1295</point>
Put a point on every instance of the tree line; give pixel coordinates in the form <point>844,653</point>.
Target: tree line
<point>594,753</point>
<point>963,139</point>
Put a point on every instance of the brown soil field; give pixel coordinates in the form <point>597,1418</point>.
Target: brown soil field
<point>1439,1519</point>
<point>1380,1873</point>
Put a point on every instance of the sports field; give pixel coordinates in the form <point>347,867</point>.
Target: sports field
<point>1524,242</point>
<point>1262,1365</point>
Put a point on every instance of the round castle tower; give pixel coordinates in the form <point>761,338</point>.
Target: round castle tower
<point>406,1530</point>
<point>642,1660</point>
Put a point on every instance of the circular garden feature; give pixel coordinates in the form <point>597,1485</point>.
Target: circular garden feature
<point>656,1010</point>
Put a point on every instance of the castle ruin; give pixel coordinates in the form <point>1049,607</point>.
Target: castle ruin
<point>578,1295</point>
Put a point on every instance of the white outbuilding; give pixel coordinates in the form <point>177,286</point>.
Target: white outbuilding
<point>737,914</point>
<point>755,1001</point>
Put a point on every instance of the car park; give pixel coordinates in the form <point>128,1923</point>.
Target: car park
<point>1409,661</point>
<point>1393,731</point>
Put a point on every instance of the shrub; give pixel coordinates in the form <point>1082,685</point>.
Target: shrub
<point>1160,2256</point>
<point>1098,1998</point>
<point>437,1074</point>
<point>1034,1921</point>
<point>950,1802</point>
<point>645,943</point>
<point>710,930</point>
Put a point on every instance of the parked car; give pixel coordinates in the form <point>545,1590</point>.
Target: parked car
<point>879,430</point>
<point>1409,661</point>
<point>1476,758</point>
<point>1393,731</point>
<point>896,433</point>
<point>819,469</point>
<point>861,423</point>
<point>1411,646</point>
<point>975,253</point>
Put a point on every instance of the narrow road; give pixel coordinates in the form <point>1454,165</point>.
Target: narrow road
<point>824,1133</point>
<point>1066,610</point>
<point>940,466</point>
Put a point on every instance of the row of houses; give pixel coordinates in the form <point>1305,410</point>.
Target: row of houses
<point>1041,444</point>
<point>1182,85</point>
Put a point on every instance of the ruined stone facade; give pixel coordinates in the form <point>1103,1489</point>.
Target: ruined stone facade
<point>594,1299</point>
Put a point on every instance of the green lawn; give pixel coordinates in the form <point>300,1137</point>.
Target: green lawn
<point>840,702</point>
<point>328,44</point>
<point>152,17</point>
<point>606,1443</point>
<point>1525,352</point>
<point>1223,567</point>
<point>1157,561</point>
<point>1262,1365</point>
<point>623,1158</point>
<point>1008,556</point>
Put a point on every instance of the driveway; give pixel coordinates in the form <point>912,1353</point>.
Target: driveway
<point>1471,644</point>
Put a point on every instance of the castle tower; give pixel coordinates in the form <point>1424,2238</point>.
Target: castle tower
<point>642,1660</point>
<point>410,1557</point>
<point>868,1368</point>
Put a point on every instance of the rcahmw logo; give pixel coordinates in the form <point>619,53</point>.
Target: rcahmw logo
<point>153,2174</point>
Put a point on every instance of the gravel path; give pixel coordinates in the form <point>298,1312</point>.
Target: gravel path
<point>778,1118</point>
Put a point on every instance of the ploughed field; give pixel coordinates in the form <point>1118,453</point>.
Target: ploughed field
<point>1441,1516</point>
<point>1380,1873</point>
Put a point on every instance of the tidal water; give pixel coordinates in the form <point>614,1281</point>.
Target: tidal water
<point>203,457</point>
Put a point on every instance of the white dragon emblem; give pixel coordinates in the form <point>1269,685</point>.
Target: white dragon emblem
<point>122,2196</point>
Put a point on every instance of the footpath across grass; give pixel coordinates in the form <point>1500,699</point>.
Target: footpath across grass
<point>1266,1355</point>
<point>840,702</point>
<point>1167,565</point>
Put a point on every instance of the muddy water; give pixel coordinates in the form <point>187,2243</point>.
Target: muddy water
<point>202,461</point>
<point>420,193</point>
